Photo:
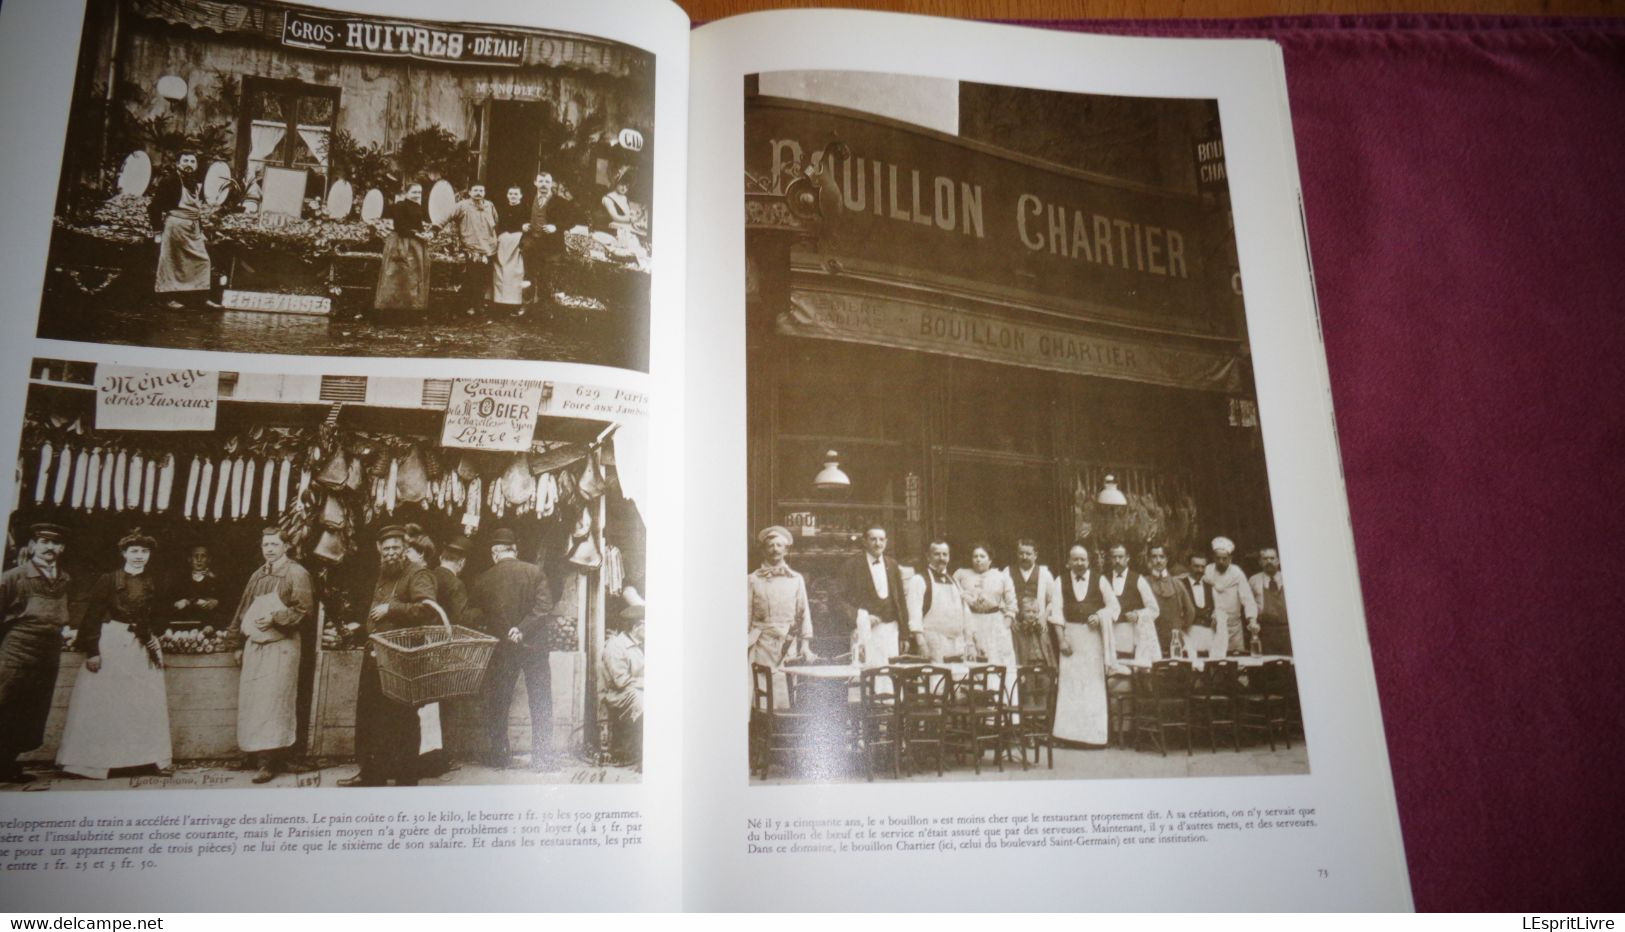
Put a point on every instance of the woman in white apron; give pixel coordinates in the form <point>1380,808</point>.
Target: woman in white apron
<point>508,264</point>
<point>119,713</point>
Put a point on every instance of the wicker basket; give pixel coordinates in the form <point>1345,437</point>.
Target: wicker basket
<point>428,664</point>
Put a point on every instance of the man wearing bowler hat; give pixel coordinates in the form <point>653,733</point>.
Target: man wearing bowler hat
<point>386,731</point>
<point>513,603</point>
<point>33,610</point>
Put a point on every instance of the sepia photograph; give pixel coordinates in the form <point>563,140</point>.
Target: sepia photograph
<point>266,177</point>
<point>237,579</point>
<point>1010,516</point>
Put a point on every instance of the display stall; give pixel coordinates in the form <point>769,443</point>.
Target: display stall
<point>305,125</point>
<point>328,460</point>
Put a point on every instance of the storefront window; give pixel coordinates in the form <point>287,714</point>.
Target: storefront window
<point>287,124</point>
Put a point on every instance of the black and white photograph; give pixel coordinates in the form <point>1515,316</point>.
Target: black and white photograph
<point>266,177</point>
<point>239,579</point>
<point>1009,511</point>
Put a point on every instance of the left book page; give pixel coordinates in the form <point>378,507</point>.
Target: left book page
<point>338,344</point>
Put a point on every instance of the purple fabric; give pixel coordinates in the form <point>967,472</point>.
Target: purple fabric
<point>1464,179</point>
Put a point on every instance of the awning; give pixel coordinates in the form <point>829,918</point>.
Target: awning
<point>902,323</point>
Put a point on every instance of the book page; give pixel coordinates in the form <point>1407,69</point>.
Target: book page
<point>366,317</point>
<point>1016,469</point>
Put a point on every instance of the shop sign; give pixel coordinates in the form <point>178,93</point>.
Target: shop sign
<point>493,414</point>
<point>909,204</point>
<point>1210,173</point>
<point>273,302</point>
<point>401,39</point>
<point>138,398</point>
<point>596,402</point>
<point>911,325</point>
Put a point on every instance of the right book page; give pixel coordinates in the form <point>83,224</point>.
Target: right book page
<point>1016,470</point>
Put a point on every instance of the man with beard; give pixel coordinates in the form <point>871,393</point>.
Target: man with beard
<point>176,212</point>
<point>514,604</point>
<point>276,602</point>
<point>386,731</point>
<point>1269,591</point>
<point>33,611</point>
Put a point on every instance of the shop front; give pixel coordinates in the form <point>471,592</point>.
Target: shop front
<point>981,342</point>
<point>309,123</point>
<point>328,460</point>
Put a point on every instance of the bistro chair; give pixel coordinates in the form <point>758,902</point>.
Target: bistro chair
<point>1162,702</point>
<point>1215,702</point>
<point>923,693</point>
<point>1033,711</point>
<point>1120,708</point>
<point>979,716</point>
<point>1266,703</point>
<point>879,726</point>
<point>775,733</point>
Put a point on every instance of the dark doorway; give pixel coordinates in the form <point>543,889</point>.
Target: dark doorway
<point>513,135</point>
<point>997,500</point>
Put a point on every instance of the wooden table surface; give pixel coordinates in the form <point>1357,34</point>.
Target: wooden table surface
<point>700,10</point>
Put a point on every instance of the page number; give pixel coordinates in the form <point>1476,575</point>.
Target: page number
<point>1322,872</point>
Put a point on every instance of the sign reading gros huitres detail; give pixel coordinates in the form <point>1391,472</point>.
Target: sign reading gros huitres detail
<point>492,414</point>
<point>918,206</point>
<point>369,36</point>
<point>138,398</point>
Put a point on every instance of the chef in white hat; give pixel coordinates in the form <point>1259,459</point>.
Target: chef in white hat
<point>780,620</point>
<point>1233,604</point>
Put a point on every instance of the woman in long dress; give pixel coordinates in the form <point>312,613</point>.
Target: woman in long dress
<point>992,603</point>
<point>508,265</point>
<point>403,275</point>
<point>119,713</point>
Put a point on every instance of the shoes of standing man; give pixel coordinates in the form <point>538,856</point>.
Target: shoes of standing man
<point>16,775</point>
<point>360,779</point>
<point>266,775</point>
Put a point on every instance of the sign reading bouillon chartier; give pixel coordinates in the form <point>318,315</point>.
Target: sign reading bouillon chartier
<point>370,36</point>
<point>920,206</point>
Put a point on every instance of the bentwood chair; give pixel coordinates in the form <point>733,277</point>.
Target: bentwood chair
<point>775,733</point>
<point>879,725</point>
<point>1266,705</point>
<point>1216,701</point>
<point>1033,711</point>
<point>1162,702</point>
<point>923,694</point>
<point>979,716</point>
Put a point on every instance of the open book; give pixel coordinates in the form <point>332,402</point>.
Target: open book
<point>496,350</point>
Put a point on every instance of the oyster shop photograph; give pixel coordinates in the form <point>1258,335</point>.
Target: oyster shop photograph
<point>222,578</point>
<point>265,177</point>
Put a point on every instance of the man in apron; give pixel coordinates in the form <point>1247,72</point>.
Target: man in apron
<point>33,611</point>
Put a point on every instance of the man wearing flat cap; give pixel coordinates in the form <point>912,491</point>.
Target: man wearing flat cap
<point>33,611</point>
<point>780,620</point>
<point>514,604</point>
<point>386,731</point>
<point>1233,605</point>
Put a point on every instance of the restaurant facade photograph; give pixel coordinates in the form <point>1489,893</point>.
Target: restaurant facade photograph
<point>230,579</point>
<point>265,177</point>
<point>1009,509</point>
